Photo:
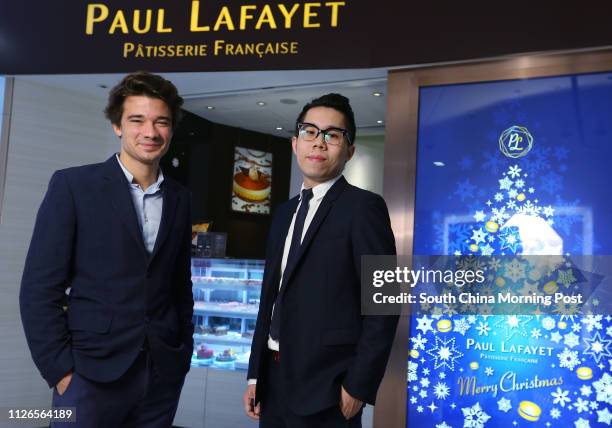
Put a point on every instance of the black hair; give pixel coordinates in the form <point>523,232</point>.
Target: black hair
<point>337,102</point>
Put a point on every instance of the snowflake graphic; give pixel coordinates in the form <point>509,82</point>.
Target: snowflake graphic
<point>604,416</point>
<point>555,413</point>
<point>571,340</point>
<point>514,171</point>
<point>424,324</point>
<point>441,391</point>
<point>515,270</point>
<point>474,417</point>
<point>568,359</point>
<point>419,342</point>
<point>444,353</point>
<point>581,405</point>
<point>592,322</point>
<point>560,397</point>
<point>582,423</point>
<point>566,277</point>
<point>443,425</point>
<point>505,184</point>
<point>586,390</point>
<point>504,405</point>
<point>548,323</point>
<point>551,182</point>
<point>483,328</point>
<point>513,325</point>
<point>509,239</point>
<point>597,347</point>
<point>556,337</point>
<point>461,326</point>
<point>424,382</point>
<point>603,388</point>
<point>489,371</point>
<point>465,189</point>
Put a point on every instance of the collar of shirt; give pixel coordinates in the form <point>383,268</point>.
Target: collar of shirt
<point>319,191</point>
<point>154,188</point>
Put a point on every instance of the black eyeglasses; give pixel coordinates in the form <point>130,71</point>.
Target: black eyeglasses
<point>331,136</point>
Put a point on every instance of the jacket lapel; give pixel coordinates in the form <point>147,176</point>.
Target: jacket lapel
<point>171,200</point>
<point>118,193</point>
<point>326,204</point>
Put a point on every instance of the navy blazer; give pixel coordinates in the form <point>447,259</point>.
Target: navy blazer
<point>87,237</point>
<point>324,341</point>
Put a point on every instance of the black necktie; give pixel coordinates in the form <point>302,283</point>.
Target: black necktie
<point>296,241</point>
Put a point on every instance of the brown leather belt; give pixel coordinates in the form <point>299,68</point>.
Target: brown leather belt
<point>275,355</point>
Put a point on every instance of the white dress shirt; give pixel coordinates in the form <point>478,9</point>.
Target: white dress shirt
<point>318,192</point>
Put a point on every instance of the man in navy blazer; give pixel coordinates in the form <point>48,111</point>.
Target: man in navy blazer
<point>315,359</point>
<point>113,239</point>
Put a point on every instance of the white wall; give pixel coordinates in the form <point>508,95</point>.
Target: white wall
<point>364,170</point>
<point>50,129</point>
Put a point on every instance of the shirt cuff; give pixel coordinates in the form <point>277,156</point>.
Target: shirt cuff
<point>252,382</point>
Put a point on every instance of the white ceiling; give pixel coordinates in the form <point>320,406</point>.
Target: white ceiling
<point>234,95</point>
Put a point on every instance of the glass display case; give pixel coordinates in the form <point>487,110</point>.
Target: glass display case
<point>226,294</point>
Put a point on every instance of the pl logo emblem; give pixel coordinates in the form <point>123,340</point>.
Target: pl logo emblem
<point>515,142</point>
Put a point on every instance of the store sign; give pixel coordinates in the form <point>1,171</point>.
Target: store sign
<point>78,36</point>
<point>101,19</point>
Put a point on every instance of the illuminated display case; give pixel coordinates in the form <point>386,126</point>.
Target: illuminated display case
<point>226,295</point>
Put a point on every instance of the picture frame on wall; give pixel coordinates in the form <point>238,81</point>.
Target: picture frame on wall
<point>251,181</point>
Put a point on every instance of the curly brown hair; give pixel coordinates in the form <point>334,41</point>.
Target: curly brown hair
<point>149,85</point>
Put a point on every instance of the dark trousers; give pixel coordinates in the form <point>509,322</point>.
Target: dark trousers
<point>138,399</point>
<point>276,414</point>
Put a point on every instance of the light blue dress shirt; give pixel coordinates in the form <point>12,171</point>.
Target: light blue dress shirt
<point>148,204</point>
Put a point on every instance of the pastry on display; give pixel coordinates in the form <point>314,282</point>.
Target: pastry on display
<point>251,185</point>
<point>204,352</point>
<point>226,355</point>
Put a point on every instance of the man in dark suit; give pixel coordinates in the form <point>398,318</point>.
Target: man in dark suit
<point>117,235</point>
<point>315,360</point>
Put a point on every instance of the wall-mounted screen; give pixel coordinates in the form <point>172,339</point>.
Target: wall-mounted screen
<point>510,168</point>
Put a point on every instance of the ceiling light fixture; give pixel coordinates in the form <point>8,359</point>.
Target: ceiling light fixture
<point>261,103</point>
<point>210,107</point>
<point>377,94</point>
<point>279,128</point>
<point>380,122</point>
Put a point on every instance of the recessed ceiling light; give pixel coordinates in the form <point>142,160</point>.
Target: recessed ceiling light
<point>377,94</point>
<point>438,163</point>
<point>380,122</point>
<point>210,107</point>
<point>279,128</point>
<point>261,103</point>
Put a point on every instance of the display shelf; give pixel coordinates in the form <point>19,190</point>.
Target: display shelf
<point>226,296</point>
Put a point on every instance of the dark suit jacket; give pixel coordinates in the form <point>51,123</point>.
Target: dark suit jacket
<point>87,237</point>
<point>324,341</point>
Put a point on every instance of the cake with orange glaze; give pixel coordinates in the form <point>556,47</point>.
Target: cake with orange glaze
<point>251,185</point>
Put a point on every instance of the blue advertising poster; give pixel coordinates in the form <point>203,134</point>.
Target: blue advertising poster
<point>510,168</point>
